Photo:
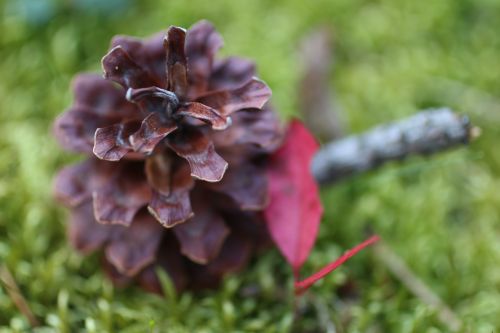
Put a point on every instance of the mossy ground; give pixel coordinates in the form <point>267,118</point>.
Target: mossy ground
<point>393,57</point>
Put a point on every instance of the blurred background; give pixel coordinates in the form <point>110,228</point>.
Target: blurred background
<point>392,58</point>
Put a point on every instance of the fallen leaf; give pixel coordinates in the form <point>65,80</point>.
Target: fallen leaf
<point>294,211</point>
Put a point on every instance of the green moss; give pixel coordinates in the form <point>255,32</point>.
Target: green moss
<point>393,57</point>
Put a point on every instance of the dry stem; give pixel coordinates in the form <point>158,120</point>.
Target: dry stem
<point>15,295</point>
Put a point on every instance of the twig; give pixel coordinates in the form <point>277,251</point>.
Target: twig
<point>399,269</point>
<point>15,295</point>
<point>315,97</point>
<point>424,133</point>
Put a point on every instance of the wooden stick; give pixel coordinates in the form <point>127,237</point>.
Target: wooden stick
<point>424,133</point>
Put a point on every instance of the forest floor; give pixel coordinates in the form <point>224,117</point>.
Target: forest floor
<point>440,215</point>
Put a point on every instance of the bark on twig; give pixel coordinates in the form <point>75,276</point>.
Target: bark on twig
<point>15,295</point>
<point>315,96</point>
<point>399,269</point>
<point>424,133</point>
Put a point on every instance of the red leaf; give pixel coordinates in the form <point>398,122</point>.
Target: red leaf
<point>301,286</point>
<point>294,209</point>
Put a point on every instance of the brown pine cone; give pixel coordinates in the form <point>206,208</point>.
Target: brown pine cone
<point>177,143</point>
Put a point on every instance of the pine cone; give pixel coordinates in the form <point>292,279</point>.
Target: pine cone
<point>175,173</point>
